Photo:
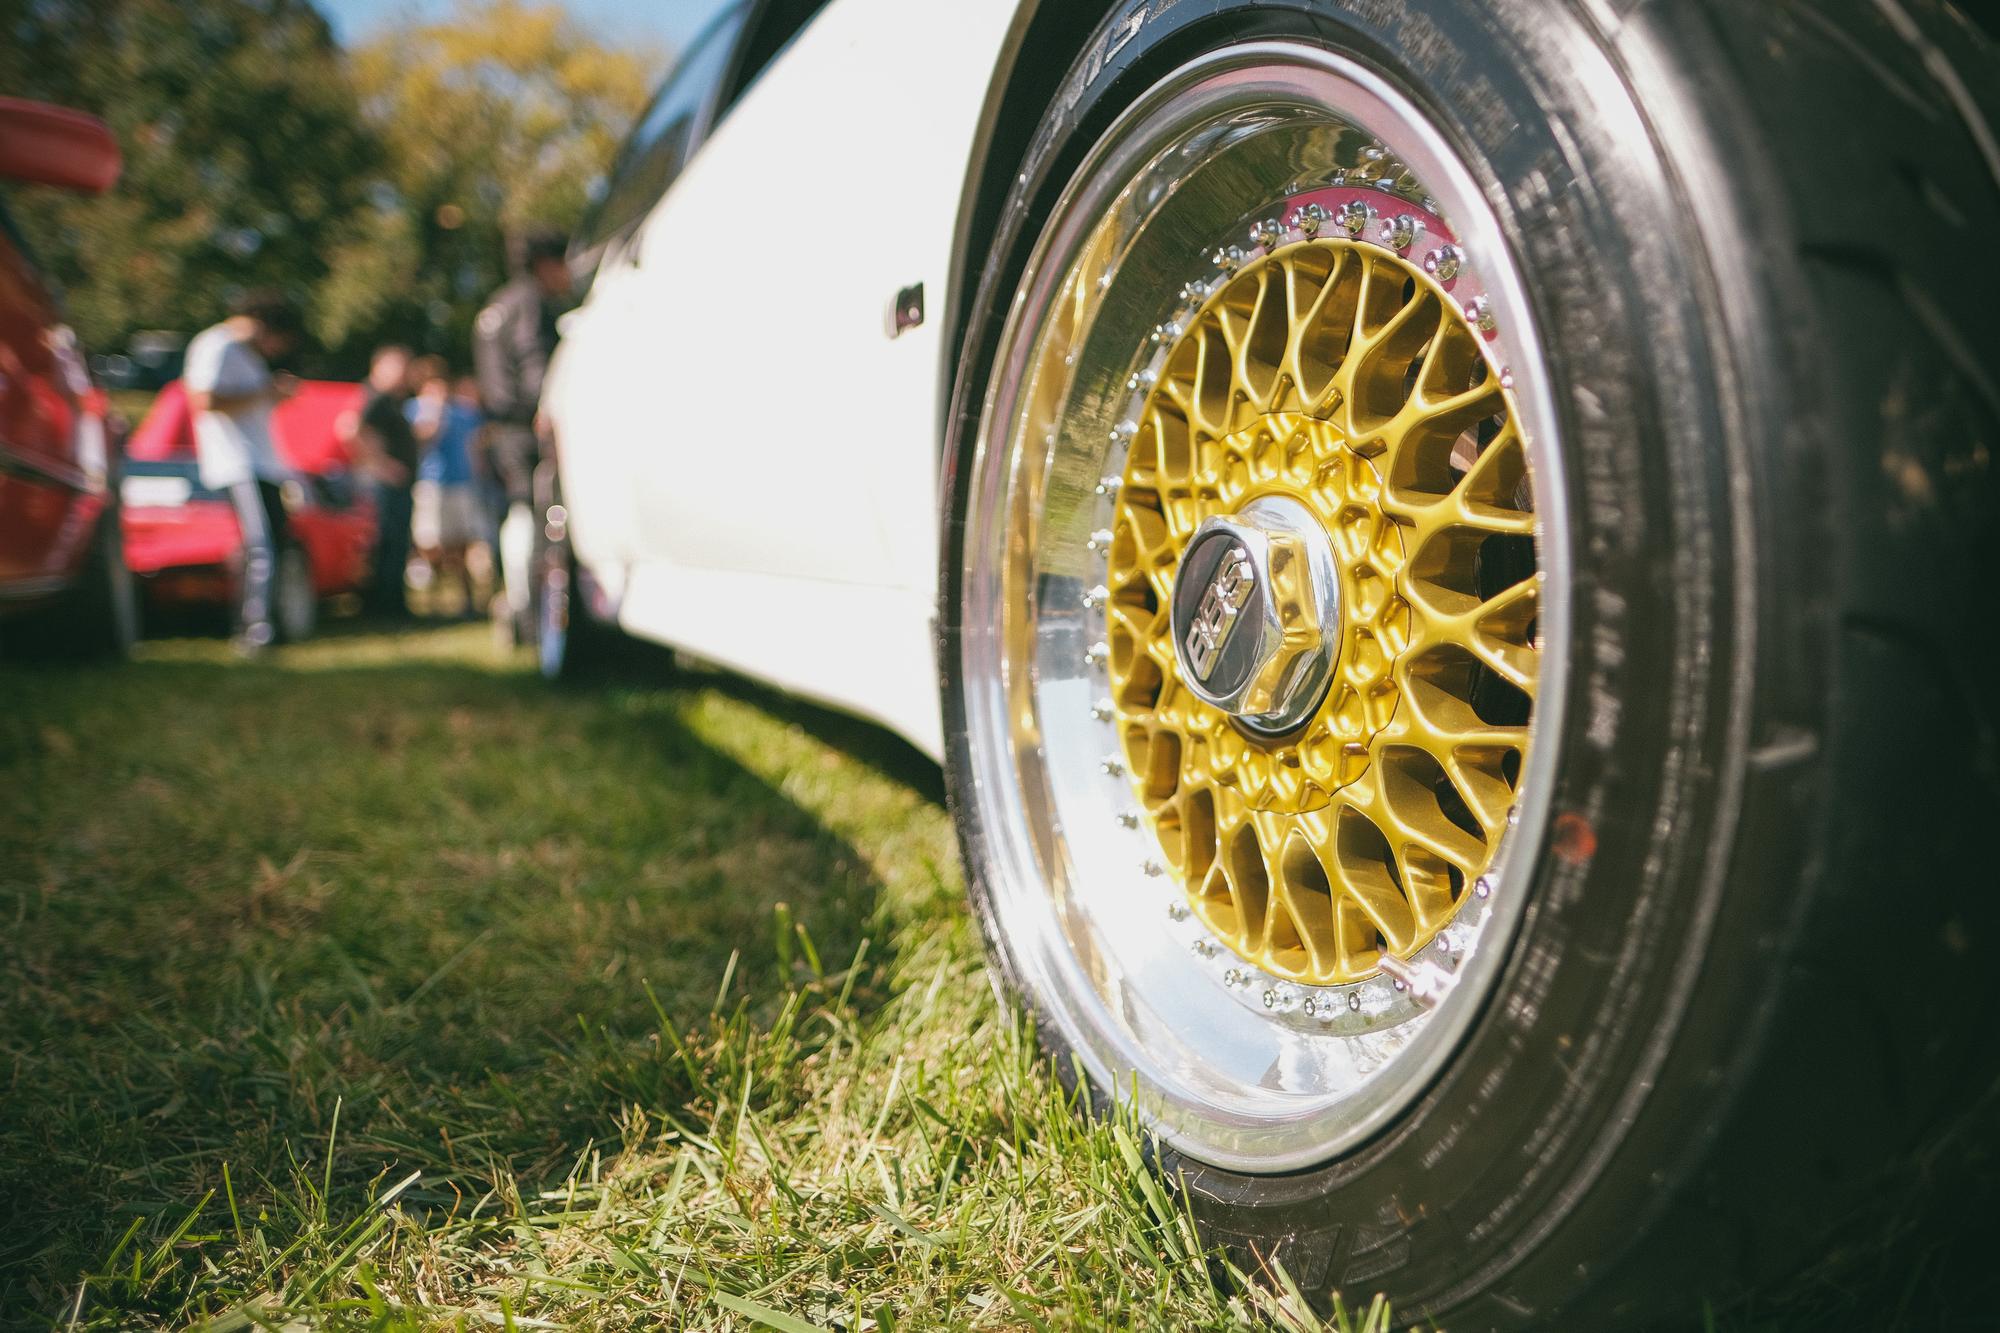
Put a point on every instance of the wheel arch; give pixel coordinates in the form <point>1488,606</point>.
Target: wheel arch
<point>1041,44</point>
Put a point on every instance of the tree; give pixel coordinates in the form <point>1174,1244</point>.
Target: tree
<point>246,158</point>
<point>505,115</point>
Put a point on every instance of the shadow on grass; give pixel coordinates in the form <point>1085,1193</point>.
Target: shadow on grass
<point>375,874</point>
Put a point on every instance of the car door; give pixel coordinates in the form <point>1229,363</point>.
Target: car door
<point>602,385</point>
<point>797,438</point>
<point>51,476</point>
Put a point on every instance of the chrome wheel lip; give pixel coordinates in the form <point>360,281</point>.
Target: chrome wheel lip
<point>1100,999</point>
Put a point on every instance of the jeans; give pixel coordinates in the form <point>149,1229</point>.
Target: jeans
<point>392,550</point>
<point>260,517</point>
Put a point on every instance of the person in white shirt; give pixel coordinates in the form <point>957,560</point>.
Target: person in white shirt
<point>231,391</point>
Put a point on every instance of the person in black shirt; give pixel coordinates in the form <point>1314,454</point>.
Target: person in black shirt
<point>386,450</point>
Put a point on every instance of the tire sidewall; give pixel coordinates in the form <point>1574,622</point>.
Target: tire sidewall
<point>119,589</point>
<point>555,612</point>
<point>297,605</point>
<point>1455,1205</point>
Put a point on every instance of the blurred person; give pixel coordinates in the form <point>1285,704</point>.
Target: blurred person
<point>444,514</point>
<point>231,390</point>
<point>486,484</point>
<point>512,340</point>
<point>386,451</point>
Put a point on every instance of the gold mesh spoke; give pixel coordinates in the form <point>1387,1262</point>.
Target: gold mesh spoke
<point>1338,375</point>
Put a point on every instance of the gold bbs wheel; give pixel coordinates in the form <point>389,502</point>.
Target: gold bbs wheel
<point>1336,378</point>
<point>1259,609</point>
<point>1424,623</point>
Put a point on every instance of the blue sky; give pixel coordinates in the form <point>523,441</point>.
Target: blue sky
<point>668,23</point>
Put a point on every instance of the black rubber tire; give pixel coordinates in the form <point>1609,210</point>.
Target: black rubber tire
<point>1743,1052</point>
<point>587,646</point>
<point>289,631</point>
<point>97,618</point>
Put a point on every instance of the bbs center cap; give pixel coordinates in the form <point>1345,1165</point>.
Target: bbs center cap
<point>1256,614</point>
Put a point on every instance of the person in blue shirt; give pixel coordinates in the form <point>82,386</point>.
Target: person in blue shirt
<point>445,517</point>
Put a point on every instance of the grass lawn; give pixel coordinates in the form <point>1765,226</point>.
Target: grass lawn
<point>378,984</point>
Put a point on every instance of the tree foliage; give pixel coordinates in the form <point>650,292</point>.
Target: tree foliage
<point>246,161</point>
<point>377,185</point>
<point>503,116</point>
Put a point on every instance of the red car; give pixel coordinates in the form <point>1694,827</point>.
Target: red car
<point>181,538</point>
<point>63,583</point>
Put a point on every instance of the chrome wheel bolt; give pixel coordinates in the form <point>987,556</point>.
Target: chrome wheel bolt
<point>1308,220</point>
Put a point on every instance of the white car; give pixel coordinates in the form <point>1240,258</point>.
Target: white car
<point>1445,547</point>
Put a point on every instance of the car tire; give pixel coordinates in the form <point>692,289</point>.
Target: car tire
<point>1720,1035</point>
<point>294,595</point>
<point>571,642</point>
<point>98,618</point>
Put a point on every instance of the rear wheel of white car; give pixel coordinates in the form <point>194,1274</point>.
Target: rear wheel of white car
<point>571,640</point>
<point>1419,595</point>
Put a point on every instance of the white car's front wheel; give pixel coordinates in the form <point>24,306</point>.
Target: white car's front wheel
<point>1373,627</point>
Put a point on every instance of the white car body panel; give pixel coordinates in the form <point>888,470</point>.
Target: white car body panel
<point>756,482</point>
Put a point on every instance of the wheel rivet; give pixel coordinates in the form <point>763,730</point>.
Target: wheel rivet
<point>1103,711</point>
<point>1443,263</point>
<point>1481,314</point>
<point>1270,999</point>
<point>1143,378</point>
<point>1309,1007</point>
<point>1354,1000</point>
<point>1108,485</point>
<point>1506,379</point>
<point>1097,596</point>
<point>1229,258</point>
<point>1097,652</point>
<point>1153,869</point>
<point>1123,432</point>
<point>1482,887</point>
<point>1099,540</point>
<point>1114,767</point>
<point>1308,219</point>
<point>1399,232</point>
<point>1177,911</point>
<point>1128,818</point>
<point>1353,217</point>
<point>1267,233</point>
